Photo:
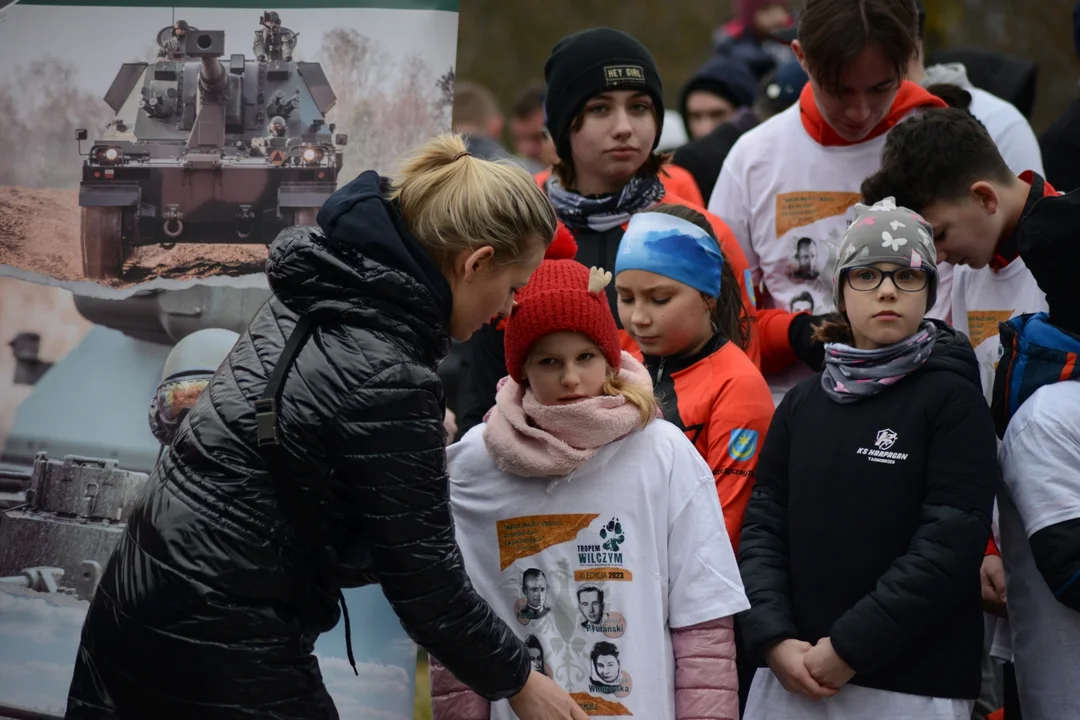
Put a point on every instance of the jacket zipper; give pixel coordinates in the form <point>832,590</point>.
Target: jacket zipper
<point>660,370</point>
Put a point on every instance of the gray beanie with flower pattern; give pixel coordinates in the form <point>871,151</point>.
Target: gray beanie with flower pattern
<point>884,232</point>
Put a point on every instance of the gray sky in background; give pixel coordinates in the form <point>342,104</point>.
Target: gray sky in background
<point>100,39</point>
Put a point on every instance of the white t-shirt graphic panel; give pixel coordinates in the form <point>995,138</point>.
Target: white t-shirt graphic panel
<point>982,299</point>
<point>594,568</point>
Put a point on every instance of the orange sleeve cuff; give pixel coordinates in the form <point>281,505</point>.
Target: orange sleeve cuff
<point>776,352</point>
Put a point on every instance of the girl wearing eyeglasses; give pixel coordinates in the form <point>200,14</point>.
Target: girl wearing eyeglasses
<point>864,534</point>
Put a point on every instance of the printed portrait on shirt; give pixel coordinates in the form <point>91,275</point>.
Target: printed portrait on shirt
<point>606,674</point>
<point>595,614</point>
<point>533,604</point>
<point>805,260</point>
<point>537,656</point>
<point>803,302</point>
<point>592,606</point>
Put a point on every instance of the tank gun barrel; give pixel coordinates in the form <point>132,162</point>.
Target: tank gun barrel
<point>208,46</point>
<point>212,77</point>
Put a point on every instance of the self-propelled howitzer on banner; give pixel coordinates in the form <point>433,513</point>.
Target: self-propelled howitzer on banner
<point>206,150</point>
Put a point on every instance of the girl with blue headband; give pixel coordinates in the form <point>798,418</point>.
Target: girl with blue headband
<point>678,301</point>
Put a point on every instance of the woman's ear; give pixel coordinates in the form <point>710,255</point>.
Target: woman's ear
<point>469,262</point>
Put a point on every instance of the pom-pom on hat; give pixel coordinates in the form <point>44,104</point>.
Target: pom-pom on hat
<point>564,246</point>
<point>562,296</point>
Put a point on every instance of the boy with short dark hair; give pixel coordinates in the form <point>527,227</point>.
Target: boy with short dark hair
<point>944,165</point>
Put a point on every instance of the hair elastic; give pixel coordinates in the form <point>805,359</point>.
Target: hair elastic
<point>461,155</point>
<point>672,247</point>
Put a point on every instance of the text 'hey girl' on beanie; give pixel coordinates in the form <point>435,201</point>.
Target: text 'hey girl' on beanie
<point>590,63</point>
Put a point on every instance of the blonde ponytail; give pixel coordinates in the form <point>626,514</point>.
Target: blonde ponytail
<point>452,201</point>
<point>637,395</point>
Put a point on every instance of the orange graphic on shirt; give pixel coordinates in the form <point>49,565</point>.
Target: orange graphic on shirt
<point>600,574</point>
<point>796,209</point>
<point>521,537</point>
<point>983,324</point>
<point>593,705</point>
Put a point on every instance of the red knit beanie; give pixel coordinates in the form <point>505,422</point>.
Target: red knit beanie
<point>562,296</point>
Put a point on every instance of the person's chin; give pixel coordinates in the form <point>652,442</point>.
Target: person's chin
<point>620,171</point>
<point>651,346</point>
<point>852,133</point>
<point>461,331</point>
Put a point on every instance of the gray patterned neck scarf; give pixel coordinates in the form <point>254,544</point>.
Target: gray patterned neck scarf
<point>851,374</point>
<point>604,212</point>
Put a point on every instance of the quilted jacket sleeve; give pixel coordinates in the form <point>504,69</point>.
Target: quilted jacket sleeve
<point>451,700</point>
<point>943,557</point>
<point>706,682</point>
<point>763,545</point>
<point>388,445</point>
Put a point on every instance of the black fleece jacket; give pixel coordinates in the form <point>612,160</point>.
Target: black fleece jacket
<point>868,524</point>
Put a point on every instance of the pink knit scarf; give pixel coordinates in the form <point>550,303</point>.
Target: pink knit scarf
<point>528,439</point>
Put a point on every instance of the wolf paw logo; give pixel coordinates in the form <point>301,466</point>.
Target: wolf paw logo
<point>612,535</point>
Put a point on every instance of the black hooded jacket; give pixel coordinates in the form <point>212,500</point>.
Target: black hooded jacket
<point>868,523</point>
<point>208,607</point>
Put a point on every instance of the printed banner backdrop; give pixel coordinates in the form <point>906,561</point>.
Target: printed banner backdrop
<point>135,159</point>
<point>81,353</point>
<point>39,638</point>
<point>84,390</point>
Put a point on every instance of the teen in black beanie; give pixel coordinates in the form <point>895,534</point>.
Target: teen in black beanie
<point>592,62</point>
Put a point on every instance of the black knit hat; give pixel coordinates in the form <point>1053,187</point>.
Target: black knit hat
<point>591,62</point>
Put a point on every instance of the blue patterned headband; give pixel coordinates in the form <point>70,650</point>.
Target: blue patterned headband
<point>672,247</point>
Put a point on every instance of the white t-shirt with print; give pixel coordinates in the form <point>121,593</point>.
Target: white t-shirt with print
<point>1040,465</point>
<point>593,569</point>
<point>981,299</point>
<point>789,200</point>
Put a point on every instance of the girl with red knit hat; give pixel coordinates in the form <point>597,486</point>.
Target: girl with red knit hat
<point>590,524</point>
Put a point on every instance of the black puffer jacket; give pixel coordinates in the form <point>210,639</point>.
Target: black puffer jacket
<point>868,523</point>
<point>207,609</point>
